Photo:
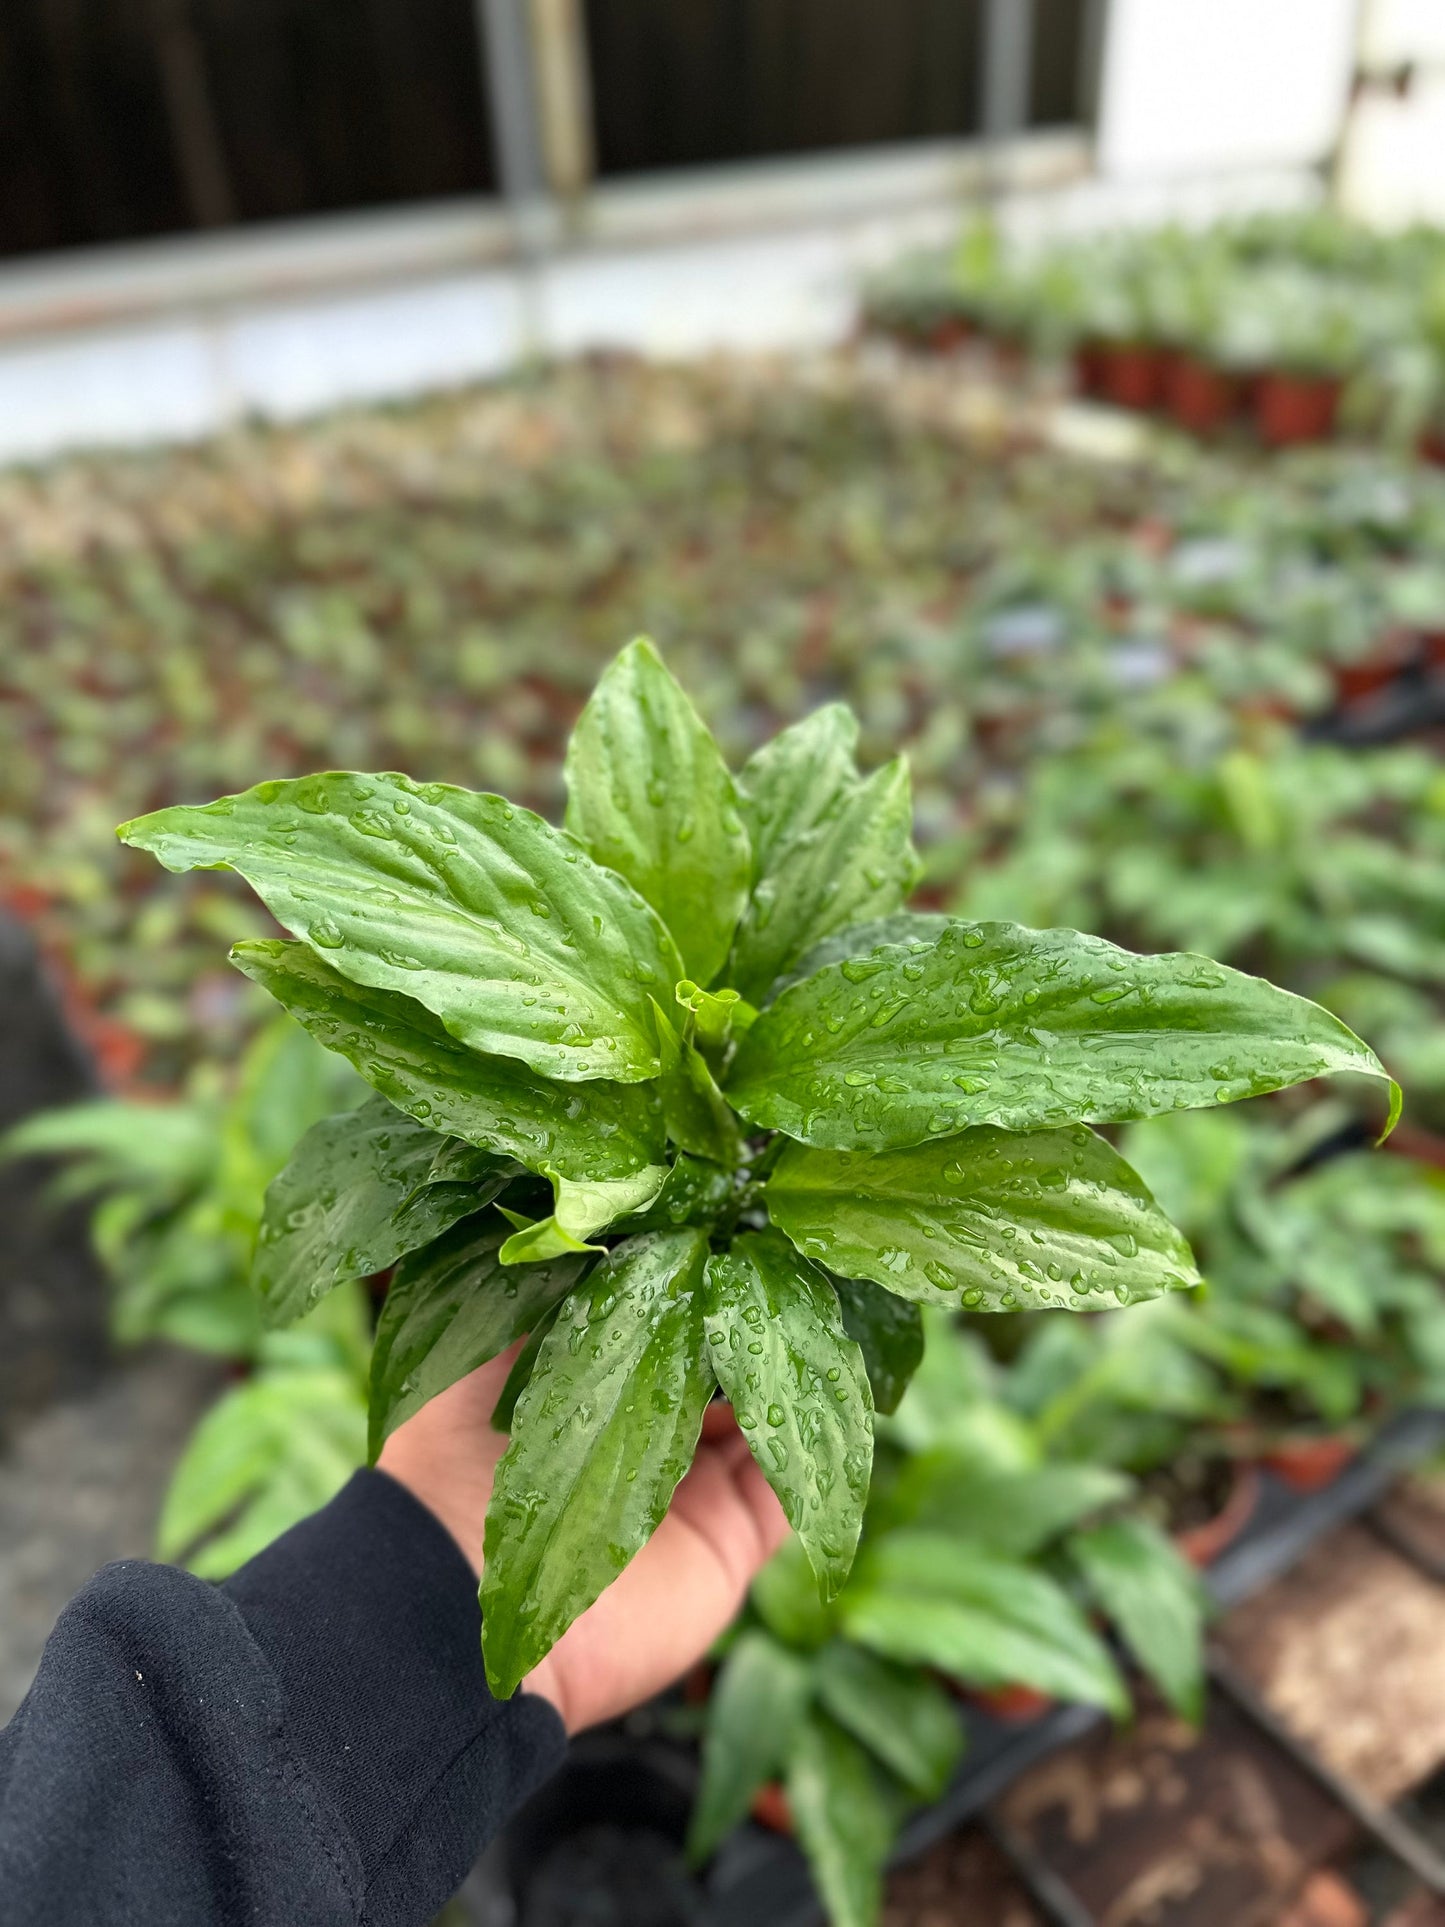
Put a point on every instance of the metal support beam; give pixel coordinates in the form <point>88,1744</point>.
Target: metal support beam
<point>504,26</point>
<point>1008,44</point>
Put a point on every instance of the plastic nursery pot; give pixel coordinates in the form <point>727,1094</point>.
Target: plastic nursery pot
<point>1200,396</point>
<point>1202,1544</point>
<point>771,1810</point>
<point>1310,1463</point>
<point>1134,375</point>
<point>611,1824</point>
<point>1415,1141</point>
<point>1431,446</point>
<point>1290,409</point>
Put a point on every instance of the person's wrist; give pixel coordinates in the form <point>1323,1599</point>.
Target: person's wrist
<point>452,1502</point>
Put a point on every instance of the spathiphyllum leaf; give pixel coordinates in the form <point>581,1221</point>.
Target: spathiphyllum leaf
<point>693,1192</point>
<point>798,1385</point>
<point>889,1333</point>
<point>605,1429</point>
<point>591,1131</point>
<point>929,1600</point>
<point>830,848</point>
<point>713,1018</point>
<point>1154,1597</point>
<point>357,1194</point>
<point>697,1115</point>
<point>649,795</point>
<point>579,1212</point>
<point>906,1719</point>
<point>498,923</point>
<point>990,1220</point>
<point>904,926</point>
<point>451,1307</point>
<point>995,1024</point>
<point>846,1809</point>
<point>753,1715</point>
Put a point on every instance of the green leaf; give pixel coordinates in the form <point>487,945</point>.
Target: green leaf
<point>757,1703</point>
<point>800,1391</point>
<point>987,1219</point>
<point>498,923</point>
<point>904,926</point>
<point>846,1812</point>
<point>450,1308</point>
<point>889,1333</point>
<point>713,1017</point>
<point>1017,1512</point>
<point>1155,1598</point>
<point>582,1131</point>
<point>697,1115</point>
<point>520,1376</point>
<point>600,1438</point>
<point>579,1211</point>
<point>695,1191</point>
<point>995,1024</point>
<point>902,1716</point>
<point>830,848</point>
<point>785,1597</point>
<point>354,1198</point>
<point>928,1600</point>
<point>272,1451</point>
<point>650,796</point>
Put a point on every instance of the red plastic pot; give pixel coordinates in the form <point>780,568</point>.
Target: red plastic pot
<point>1356,682</point>
<point>1414,1141</point>
<point>1202,1544</point>
<point>1431,446</point>
<point>1201,397</point>
<point>771,1810</point>
<point>1134,376</point>
<point>1290,409</point>
<point>1309,1464</point>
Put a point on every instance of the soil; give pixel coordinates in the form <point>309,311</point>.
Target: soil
<point>1348,1649</point>
<point>964,1878</point>
<point>1191,1491</point>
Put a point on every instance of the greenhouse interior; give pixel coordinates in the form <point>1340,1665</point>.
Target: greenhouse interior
<point>722,900</point>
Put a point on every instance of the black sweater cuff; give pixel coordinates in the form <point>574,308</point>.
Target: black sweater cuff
<point>367,1613</point>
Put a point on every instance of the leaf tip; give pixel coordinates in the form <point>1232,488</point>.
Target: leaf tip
<point>1397,1106</point>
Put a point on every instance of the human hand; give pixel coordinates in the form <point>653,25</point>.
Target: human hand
<point>663,1611</point>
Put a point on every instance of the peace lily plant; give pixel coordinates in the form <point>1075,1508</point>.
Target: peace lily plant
<point>684,1094</point>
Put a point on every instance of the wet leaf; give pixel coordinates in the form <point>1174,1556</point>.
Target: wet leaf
<point>846,1810</point>
<point>988,1220</point>
<point>499,924</point>
<point>585,1131</point>
<point>650,796</point>
<point>356,1195</point>
<point>995,1024</point>
<point>889,1333</point>
<point>451,1307</point>
<point>605,1429</point>
<point>830,847</point>
<point>799,1388</point>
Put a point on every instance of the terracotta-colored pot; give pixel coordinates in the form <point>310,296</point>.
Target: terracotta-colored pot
<point>1356,682</point>
<point>948,335</point>
<point>1012,1704</point>
<point>1089,368</point>
<point>1134,376</point>
<point>1409,1140</point>
<point>1202,1544</point>
<point>1201,397</point>
<point>771,1810</point>
<point>1431,446</point>
<point>1290,409</point>
<point>1310,1463</point>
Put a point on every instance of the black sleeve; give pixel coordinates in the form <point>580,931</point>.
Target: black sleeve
<point>312,1742</point>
